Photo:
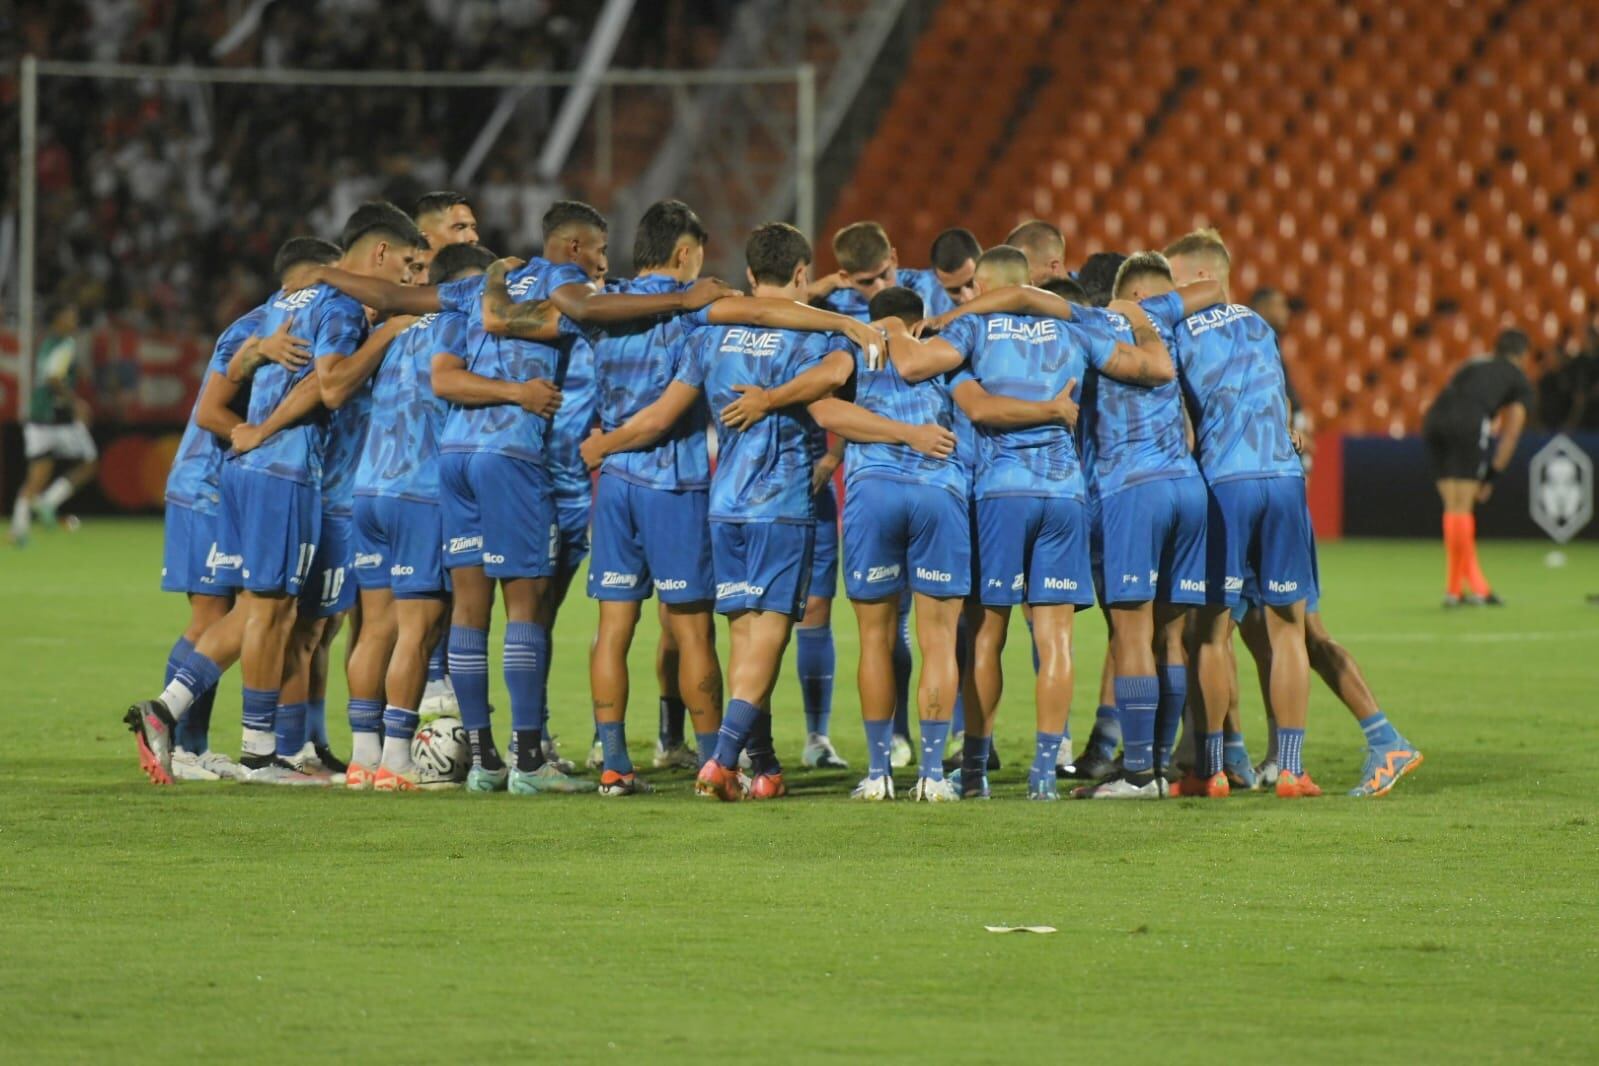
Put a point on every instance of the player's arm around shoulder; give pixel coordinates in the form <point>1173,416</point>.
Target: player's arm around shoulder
<point>1147,361</point>
<point>917,359</point>
<point>821,379</point>
<point>856,424</point>
<point>1007,412</point>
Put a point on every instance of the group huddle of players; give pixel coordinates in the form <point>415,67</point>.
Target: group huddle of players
<point>409,423</point>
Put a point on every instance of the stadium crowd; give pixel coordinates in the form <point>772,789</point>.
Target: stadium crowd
<point>372,448</point>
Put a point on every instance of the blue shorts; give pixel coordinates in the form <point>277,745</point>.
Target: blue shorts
<point>762,566</point>
<point>398,546</point>
<point>1250,597</point>
<point>646,537</point>
<point>1153,545</point>
<point>330,587</point>
<point>824,556</point>
<point>273,525</point>
<point>1034,549</point>
<point>572,515</point>
<point>1259,527</point>
<point>898,534</point>
<point>975,586</point>
<point>499,513</point>
<point>190,561</point>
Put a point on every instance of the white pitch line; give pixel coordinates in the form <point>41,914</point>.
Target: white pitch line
<point>1471,638</point>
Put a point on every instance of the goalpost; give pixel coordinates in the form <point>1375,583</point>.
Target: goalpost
<point>678,83</point>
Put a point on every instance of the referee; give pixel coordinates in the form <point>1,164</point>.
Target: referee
<point>1458,431</point>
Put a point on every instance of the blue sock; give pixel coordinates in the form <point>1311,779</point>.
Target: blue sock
<point>366,716</point>
<point>544,685</point>
<point>1169,712</point>
<point>706,743</point>
<point>1046,749</point>
<point>180,651</point>
<point>1107,734</point>
<point>1033,642</point>
<point>290,728</point>
<point>436,661</point>
<point>527,656</point>
<point>613,739</point>
<point>902,671</point>
<point>1233,749</point>
<point>816,660</point>
<point>469,672</point>
<point>735,731</point>
<point>935,737</point>
<point>260,709</point>
<point>879,745</point>
<point>1136,701</point>
<point>1291,750</point>
<point>316,722</point>
<point>197,723</point>
<point>762,751</point>
<point>1215,754</point>
<point>1379,734</point>
<point>198,674</point>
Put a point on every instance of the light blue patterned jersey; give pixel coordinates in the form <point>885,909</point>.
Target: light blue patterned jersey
<point>334,324</point>
<point>633,364</point>
<point>1232,378</point>
<point>197,466</point>
<point>1028,358</point>
<point>885,393</point>
<point>935,301</point>
<point>575,378</point>
<point>401,457</point>
<point>1131,434</point>
<point>763,474</point>
<point>506,428</point>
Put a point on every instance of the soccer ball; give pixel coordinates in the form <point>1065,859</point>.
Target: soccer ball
<point>441,754</point>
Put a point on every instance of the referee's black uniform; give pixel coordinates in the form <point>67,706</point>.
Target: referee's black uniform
<point>1457,426</point>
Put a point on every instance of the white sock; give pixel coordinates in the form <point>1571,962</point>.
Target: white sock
<point>21,517</point>
<point>177,697</point>
<point>58,493</point>
<point>259,742</point>
<point>397,755</point>
<point>366,750</point>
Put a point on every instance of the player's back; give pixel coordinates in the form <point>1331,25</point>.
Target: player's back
<point>885,392</point>
<point>294,453</point>
<point>192,481</point>
<point>400,456</point>
<point>1028,358</point>
<point>1130,433</point>
<point>1232,378</point>
<point>574,376</point>
<point>763,473</point>
<point>1481,387</point>
<point>634,362</point>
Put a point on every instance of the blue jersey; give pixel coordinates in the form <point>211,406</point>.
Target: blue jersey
<point>1232,378</point>
<point>633,364</point>
<point>885,393</point>
<point>575,378</point>
<point>401,457</point>
<point>1028,358</point>
<point>341,454</point>
<point>334,324</point>
<point>1131,434</point>
<point>506,429</point>
<point>197,466</point>
<point>847,301</point>
<point>763,474</point>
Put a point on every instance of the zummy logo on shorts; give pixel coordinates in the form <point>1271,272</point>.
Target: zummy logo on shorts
<point>1282,586</point>
<point>1233,584</point>
<point>882,573</point>
<point>364,560</point>
<point>613,580</point>
<point>465,544</point>
<point>924,574</point>
<point>215,560</point>
<point>728,589</point>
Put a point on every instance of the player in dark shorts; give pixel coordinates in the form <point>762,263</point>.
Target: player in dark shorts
<point>1458,431</point>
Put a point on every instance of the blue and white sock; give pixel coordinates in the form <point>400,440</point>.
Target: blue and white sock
<point>1379,733</point>
<point>366,745</point>
<point>399,726</point>
<point>935,737</point>
<point>436,660</point>
<point>1107,734</point>
<point>706,743</point>
<point>1215,754</point>
<point>613,742</point>
<point>181,650</point>
<point>289,728</point>
<point>879,746</point>
<point>735,732</point>
<point>194,678</point>
<point>469,673</point>
<point>527,658</point>
<point>1169,712</point>
<point>260,713</point>
<point>1046,749</point>
<point>1291,750</point>
<point>816,660</point>
<point>1136,701</point>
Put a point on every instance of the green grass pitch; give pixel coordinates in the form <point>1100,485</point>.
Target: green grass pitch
<point>1454,920</point>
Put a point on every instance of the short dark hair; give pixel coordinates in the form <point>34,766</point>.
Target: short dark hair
<point>953,247</point>
<point>381,218</point>
<point>774,250</point>
<point>453,260</point>
<point>1138,265</point>
<point>434,202</point>
<point>1037,237</point>
<point>664,224</point>
<point>1067,289</point>
<point>1098,276</point>
<point>563,213</point>
<point>297,250</point>
<point>860,246</point>
<point>896,301</point>
<point>1512,344</point>
<point>1006,260</point>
